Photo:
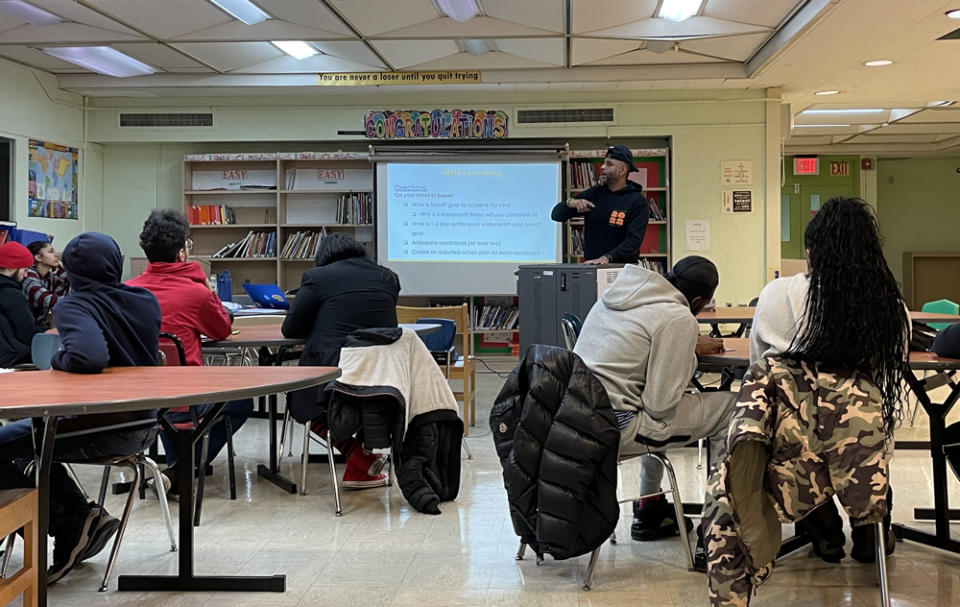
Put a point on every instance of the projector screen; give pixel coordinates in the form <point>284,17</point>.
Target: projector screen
<point>463,227</point>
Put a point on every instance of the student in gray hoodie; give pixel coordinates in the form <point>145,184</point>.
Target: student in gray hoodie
<point>641,340</point>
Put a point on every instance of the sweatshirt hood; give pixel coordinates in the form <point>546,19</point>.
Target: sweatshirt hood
<point>636,286</point>
<point>182,269</point>
<point>92,259</point>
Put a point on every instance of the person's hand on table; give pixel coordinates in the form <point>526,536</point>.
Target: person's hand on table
<point>709,345</point>
<point>581,205</point>
<point>599,261</point>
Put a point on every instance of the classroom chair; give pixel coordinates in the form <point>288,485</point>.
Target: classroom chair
<point>18,510</point>
<point>570,325</point>
<point>941,306</point>
<point>172,354</point>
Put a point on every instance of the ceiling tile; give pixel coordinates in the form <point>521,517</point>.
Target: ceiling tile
<point>541,14</point>
<point>271,29</point>
<point>311,13</point>
<point>165,18</point>
<point>39,59</point>
<point>70,10</point>
<point>163,57</point>
<point>489,61</point>
<point>227,56</point>
<point>350,50</point>
<point>733,48</point>
<point>402,54</point>
<point>586,50</point>
<point>310,65</point>
<point>372,17</point>
<point>65,33</point>
<point>586,18</point>
<point>757,12</point>
<point>694,27</point>
<point>548,50</point>
<point>646,57</point>
<point>478,27</point>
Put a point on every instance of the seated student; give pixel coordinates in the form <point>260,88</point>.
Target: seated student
<point>102,322</point>
<point>816,419</point>
<point>346,291</point>
<point>189,309</point>
<point>45,283</point>
<point>17,326</point>
<point>841,231</point>
<point>947,344</point>
<point>641,339</point>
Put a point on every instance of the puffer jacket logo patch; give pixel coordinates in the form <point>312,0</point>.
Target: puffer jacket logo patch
<point>502,428</point>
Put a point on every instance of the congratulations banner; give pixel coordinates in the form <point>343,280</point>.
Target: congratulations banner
<point>435,124</point>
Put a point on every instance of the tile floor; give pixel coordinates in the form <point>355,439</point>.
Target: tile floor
<point>381,552</point>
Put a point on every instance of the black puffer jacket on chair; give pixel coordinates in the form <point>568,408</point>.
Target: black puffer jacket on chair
<point>557,439</point>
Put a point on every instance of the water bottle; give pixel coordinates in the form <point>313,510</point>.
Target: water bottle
<point>224,285</point>
<point>212,282</point>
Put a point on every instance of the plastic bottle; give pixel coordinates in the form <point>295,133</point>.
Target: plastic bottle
<point>224,285</point>
<point>213,282</point>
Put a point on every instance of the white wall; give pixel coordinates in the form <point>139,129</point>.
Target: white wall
<point>32,107</point>
<point>706,127</point>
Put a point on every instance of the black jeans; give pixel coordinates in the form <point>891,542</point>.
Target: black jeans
<point>17,451</point>
<point>236,410</point>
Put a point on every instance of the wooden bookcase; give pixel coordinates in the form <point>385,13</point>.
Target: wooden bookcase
<point>583,170</point>
<point>303,197</point>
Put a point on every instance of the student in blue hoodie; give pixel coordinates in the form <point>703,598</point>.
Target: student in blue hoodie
<point>101,323</point>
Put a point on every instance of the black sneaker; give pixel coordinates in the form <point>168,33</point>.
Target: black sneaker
<point>824,528</point>
<point>103,528</point>
<point>700,554</point>
<point>654,520</point>
<point>69,545</point>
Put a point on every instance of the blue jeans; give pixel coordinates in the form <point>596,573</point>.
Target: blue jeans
<point>236,410</point>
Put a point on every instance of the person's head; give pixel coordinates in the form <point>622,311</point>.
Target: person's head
<point>337,247</point>
<point>697,278</point>
<point>165,236</point>
<point>14,260</point>
<point>617,164</point>
<point>854,317</point>
<point>44,256</point>
<point>92,259</point>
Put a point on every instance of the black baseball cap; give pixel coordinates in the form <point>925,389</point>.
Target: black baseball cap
<point>623,154</point>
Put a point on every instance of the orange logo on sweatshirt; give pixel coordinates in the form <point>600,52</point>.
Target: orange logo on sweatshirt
<point>617,217</point>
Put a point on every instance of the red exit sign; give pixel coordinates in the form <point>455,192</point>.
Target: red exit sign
<point>806,165</point>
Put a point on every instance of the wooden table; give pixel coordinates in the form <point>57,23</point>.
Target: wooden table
<point>263,338</point>
<point>744,315</point>
<point>137,389</point>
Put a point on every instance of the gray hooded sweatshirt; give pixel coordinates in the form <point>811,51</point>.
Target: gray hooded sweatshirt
<point>640,341</point>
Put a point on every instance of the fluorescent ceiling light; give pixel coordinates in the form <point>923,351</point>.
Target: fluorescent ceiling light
<point>954,14</point>
<point>679,10</point>
<point>459,10</point>
<point>28,13</point>
<point>242,10</point>
<point>819,126</point>
<point>878,63</point>
<point>101,59</point>
<point>844,111</point>
<point>298,49</point>
<point>478,46</point>
<point>826,92</point>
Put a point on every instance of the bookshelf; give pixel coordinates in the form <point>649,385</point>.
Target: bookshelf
<point>653,164</point>
<point>274,208</point>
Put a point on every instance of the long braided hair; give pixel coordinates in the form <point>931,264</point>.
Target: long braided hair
<point>854,318</point>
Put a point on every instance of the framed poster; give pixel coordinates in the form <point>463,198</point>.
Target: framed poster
<point>53,184</point>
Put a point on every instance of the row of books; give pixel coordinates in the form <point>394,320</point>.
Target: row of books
<point>576,238</point>
<point>657,265</point>
<point>583,175</point>
<point>254,244</point>
<point>211,215</point>
<point>355,207</point>
<point>656,213</point>
<point>493,317</point>
<point>303,245</point>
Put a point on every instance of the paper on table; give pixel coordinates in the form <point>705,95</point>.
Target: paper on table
<point>698,234</point>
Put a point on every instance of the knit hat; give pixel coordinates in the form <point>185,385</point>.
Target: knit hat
<point>14,255</point>
<point>695,275</point>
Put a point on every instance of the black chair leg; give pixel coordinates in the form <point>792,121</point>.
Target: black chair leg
<point>232,472</point>
<point>203,466</point>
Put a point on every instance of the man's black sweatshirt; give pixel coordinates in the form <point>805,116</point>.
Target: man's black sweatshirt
<point>615,226</point>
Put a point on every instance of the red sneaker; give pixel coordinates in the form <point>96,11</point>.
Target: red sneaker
<point>363,470</point>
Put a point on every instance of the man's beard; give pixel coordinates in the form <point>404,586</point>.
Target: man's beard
<point>603,178</point>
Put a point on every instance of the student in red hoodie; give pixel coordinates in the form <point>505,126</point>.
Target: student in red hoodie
<point>189,309</point>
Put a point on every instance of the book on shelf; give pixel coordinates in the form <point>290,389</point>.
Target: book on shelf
<point>656,213</point>
<point>303,244</point>
<point>576,240</point>
<point>657,265</point>
<point>355,207</point>
<point>253,245</point>
<point>211,214</point>
<point>495,317</point>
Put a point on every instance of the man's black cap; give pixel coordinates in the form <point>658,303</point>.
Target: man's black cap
<point>622,153</point>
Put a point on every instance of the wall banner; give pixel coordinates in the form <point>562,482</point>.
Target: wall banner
<point>399,78</point>
<point>435,124</point>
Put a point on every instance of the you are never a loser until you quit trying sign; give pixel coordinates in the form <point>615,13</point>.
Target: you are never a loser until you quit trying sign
<point>399,78</point>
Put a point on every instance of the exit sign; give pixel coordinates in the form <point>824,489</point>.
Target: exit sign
<point>806,165</point>
<point>839,169</point>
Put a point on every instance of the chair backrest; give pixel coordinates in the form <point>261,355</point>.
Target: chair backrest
<point>171,352</point>
<point>458,314</point>
<point>940,306</point>
<point>42,348</point>
<point>570,325</point>
<point>441,340</point>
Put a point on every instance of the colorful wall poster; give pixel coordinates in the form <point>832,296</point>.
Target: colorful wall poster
<point>53,184</point>
<point>435,124</point>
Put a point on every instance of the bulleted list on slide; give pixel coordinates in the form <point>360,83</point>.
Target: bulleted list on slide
<point>472,212</point>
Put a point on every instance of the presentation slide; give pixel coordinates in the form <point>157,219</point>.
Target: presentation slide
<point>471,212</point>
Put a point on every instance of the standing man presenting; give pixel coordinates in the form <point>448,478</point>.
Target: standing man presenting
<point>615,212</point>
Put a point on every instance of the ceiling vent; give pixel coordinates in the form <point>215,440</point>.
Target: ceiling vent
<point>604,114</point>
<point>166,120</point>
